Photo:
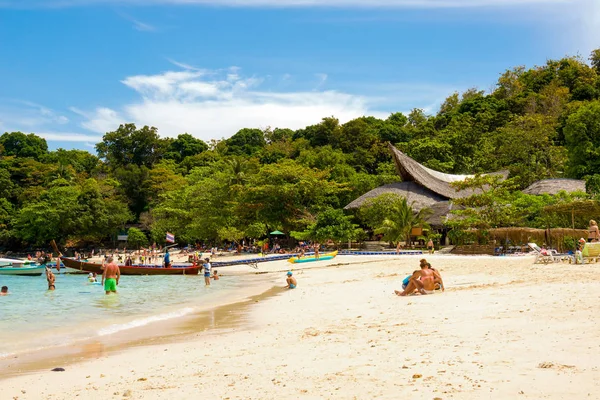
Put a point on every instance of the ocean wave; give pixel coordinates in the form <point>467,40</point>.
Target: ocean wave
<point>144,321</point>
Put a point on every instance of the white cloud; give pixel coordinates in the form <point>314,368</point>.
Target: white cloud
<point>215,104</point>
<point>101,120</point>
<point>25,115</point>
<point>69,137</point>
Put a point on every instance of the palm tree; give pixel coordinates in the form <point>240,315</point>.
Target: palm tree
<point>238,169</point>
<point>401,221</point>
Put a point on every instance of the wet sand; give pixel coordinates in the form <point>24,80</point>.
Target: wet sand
<point>504,329</point>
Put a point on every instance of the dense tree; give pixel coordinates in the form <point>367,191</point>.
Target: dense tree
<point>333,225</point>
<point>246,141</point>
<point>184,146</point>
<point>129,145</point>
<point>136,238</point>
<point>21,145</point>
<point>582,137</point>
<point>540,122</point>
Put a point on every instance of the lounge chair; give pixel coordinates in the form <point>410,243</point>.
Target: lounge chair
<point>547,256</point>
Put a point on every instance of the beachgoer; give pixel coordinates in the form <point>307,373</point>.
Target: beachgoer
<point>437,278</point>
<point>317,246</point>
<point>4,291</point>
<point>423,281</point>
<point>206,267</point>
<point>215,275</point>
<point>110,276</point>
<point>430,246</point>
<point>398,247</point>
<point>167,259</point>
<point>91,278</point>
<point>579,251</point>
<point>593,232</point>
<point>291,281</point>
<point>51,279</point>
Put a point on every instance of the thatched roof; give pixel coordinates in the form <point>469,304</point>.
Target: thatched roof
<point>441,213</point>
<point>553,186</point>
<point>419,196</point>
<point>437,182</point>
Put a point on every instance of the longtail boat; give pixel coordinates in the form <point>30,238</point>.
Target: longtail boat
<point>323,257</point>
<point>131,270</point>
<point>9,266</point>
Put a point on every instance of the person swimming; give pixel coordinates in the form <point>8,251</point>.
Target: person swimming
<point>215,276</point>
<point>291,281</point>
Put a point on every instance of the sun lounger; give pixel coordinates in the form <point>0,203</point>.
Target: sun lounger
<point>548,256</point>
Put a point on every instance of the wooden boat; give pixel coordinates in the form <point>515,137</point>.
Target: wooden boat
<point>132,270</point>
<point>9,266</point>
<point>323,257</point>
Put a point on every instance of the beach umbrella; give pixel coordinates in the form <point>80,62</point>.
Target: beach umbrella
<point>276,233</point>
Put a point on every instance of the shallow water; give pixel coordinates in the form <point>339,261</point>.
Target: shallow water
<point>31,317</point>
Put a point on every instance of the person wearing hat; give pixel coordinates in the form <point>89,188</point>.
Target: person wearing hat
<point>291,281</point>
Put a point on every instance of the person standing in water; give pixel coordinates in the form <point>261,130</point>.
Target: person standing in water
<point>206,267</point>
<point>4,291</point>
<point>167,259</point>
<point>50,278</point>
<point>111,276</point>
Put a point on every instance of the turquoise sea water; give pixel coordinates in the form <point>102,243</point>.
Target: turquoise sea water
<point>31,317</point>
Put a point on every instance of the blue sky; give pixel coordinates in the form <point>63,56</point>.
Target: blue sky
<point>71,70</point>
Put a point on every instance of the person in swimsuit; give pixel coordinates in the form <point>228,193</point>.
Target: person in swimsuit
<point>291,281</point>
<point>50,278</point>
<point>422,281</point>
<point>430,246</point>
<point>215,275</point>
<point>111,276</point>
<point>206,267</point>
<point>437,278</point>
<point>4,291</point>
<point>593,232</point>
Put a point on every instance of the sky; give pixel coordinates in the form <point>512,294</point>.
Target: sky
<point>71,70</point>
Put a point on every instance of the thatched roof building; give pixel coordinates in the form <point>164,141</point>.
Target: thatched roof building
<point>437,182</point>
<point>553,186</point>
<point>419,196</point>
<point>424,187</point>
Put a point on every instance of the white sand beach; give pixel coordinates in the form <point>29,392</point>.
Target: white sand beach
<point>504,329</point>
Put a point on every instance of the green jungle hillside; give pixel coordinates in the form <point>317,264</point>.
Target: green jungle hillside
<point>537,123</point>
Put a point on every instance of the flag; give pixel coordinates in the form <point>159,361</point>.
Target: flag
<point>170,238</point>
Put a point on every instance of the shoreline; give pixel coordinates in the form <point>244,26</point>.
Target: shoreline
<point>504,329</point>
<point>227,315</point>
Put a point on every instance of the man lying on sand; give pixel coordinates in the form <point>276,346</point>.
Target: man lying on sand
<point>423,280</point>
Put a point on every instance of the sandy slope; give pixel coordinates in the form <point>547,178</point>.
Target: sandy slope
<point>504,329</point>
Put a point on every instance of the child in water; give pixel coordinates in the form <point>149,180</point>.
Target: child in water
<point>215,275</point>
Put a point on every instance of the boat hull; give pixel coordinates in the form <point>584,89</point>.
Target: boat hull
<point>133,270</point>
<point>324,257</point>
<point>23,271</point>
